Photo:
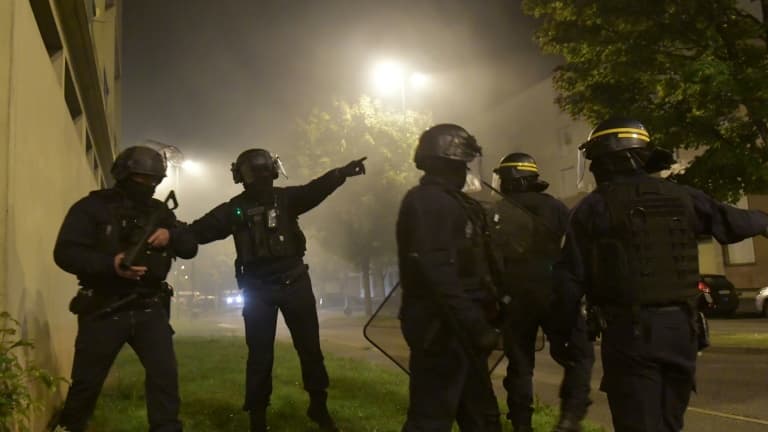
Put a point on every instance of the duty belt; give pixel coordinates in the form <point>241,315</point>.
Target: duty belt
<point>284,278</point>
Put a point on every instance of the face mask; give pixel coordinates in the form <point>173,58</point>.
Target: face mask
<point>260,188</point>
<point>136,191</point>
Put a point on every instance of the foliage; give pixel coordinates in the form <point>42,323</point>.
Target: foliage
<point>212,386</point>
<point>695,72</point>
<point>16,378</point>
<point>360,226</point>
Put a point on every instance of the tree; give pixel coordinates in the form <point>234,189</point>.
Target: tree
<point>694,71</point>
<point>359,227</point>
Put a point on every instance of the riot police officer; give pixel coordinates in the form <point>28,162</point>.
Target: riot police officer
<point>270,270</point>
<point>631,248</point>
<point>117,303</point>
<point>528,283</point>
<point>442,252</point>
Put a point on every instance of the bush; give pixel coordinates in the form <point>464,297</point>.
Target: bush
<point>17,378</point>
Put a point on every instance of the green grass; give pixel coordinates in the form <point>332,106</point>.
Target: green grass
<point>363,396</point>
<point>740,340</point>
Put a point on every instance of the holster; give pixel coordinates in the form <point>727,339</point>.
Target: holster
<point>87,301</point>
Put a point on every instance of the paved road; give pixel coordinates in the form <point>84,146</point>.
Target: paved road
<point>733,383</point>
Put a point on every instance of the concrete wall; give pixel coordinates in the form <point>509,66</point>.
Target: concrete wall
<point>47,171</point>
<point>755,275</point>
<point>6,40</point>
<point>532,123</point>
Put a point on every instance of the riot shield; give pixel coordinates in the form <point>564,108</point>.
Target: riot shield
<point>383,332</point>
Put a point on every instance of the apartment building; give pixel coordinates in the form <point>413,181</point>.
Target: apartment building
<point>59,127</point>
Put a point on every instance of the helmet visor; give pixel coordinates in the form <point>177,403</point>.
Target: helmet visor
<point>582,184</point>
<point>280,167</point>
<point>474,180</point>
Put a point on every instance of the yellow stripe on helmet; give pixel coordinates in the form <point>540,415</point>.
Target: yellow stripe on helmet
<point>523,166</point>
<point>634,135</point>
<point>639,132</point>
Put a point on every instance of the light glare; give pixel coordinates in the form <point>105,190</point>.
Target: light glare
<point>192,167</point>
<point>388,76</point>
<point>419,81</point>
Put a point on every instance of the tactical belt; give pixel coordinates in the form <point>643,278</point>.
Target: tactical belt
<point>283,278</point>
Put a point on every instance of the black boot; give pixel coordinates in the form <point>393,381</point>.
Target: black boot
<point>258,420</point>
<point>568,423</point>
<point>318,411</point>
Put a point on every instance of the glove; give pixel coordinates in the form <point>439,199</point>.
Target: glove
<point>562,352</point>
<point>353,168</point>
<point>487,340</point>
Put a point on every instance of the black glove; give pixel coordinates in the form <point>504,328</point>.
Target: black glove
<point>354,168</point>
<point>487,340</point>
<point>562,351</point>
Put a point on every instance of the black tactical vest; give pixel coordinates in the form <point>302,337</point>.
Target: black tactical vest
<point>650,256</point>
<point>263,231</point>
<point>527,247</point>
<point>475,261</point>
<point>124,230</point>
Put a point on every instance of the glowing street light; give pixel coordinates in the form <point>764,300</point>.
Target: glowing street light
<point>390,76</point>
<point>192,167</point>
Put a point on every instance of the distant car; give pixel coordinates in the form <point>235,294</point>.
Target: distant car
<point>761,302</point>
<point>717,296</point>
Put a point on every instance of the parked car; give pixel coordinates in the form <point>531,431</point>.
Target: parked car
<point>718,295</point>
<point>761,302</point>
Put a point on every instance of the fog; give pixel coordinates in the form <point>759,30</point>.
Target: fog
<point>214,78</point>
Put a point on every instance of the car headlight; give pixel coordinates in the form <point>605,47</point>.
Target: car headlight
<point>239,299</point>
<point>230,300</point>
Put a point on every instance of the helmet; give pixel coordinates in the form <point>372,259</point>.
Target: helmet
<point>517,165</point>
<point>255,163</point>
<point>613,135</point>
<point>518,172</point>
<point>138,160</point>
<point>446,141</point>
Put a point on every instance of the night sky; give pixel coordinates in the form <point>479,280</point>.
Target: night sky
<point>214,77</point>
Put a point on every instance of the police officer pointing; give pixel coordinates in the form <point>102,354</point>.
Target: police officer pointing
<point>447,292</point>
<point>270,270</point>
<point>119,304</point>
<point>528,283</point>
<point>631,248</point>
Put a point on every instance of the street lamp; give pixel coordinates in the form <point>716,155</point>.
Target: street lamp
<point>390,76</point>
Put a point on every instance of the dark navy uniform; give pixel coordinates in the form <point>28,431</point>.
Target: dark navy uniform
<point>449,297</point>
<point>96,229</point>
<point>272,274</point>
<point>440,250</point>
<point>528,282</point>
<point>631,249</point>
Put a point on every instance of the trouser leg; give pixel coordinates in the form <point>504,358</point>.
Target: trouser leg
<point>152,340</point>
<point>300,313</point>
<point>677,351</point>
<point>435,386</point>
<point>260,317</point>
<point>520,347</point>
<point>575,388</point>
<point>97,344</point>
<point>478,410</point>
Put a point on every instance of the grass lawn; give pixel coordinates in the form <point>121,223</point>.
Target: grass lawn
<point>363,396</point>
<point>740,340</point>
